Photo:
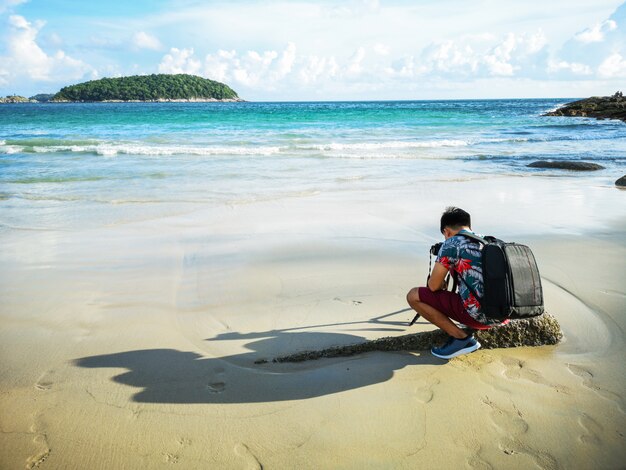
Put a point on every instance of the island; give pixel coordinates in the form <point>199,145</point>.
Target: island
<point>151,88</point>
<point>42,97</point>
<point>599,107</point>
<point>11,99</point>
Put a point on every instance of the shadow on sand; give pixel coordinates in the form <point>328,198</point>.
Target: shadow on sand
<point>172,376</point>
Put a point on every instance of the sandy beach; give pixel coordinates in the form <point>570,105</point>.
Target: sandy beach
<point>132,345</point>
<point>193,191</point>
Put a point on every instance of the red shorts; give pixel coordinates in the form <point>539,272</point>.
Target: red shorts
<point>451,305</point>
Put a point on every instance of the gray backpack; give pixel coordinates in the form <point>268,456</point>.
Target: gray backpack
<point>512,286</point>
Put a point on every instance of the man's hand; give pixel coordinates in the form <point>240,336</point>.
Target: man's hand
<point>437,277</point>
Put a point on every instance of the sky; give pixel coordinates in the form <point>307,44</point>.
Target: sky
<point>301,50</point>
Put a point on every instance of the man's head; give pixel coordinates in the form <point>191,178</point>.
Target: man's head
<point>453,220</point>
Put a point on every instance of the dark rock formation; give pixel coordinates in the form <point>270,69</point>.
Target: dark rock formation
<point>621,182</point>
<point>566,165</point>
<point>600,107</point>
<point>538,331</point>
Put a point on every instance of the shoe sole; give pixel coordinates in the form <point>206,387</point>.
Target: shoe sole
<point>460,352</point>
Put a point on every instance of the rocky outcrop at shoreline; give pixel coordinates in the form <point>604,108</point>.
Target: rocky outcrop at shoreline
<point>538,331</point>
<point>566,165</point>
<point>599,107</point>
<point>10,99</point>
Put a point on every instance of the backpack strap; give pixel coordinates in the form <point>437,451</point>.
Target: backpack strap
<point>473,236</point>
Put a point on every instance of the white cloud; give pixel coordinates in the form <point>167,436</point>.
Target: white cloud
<point>574,67</point>
<point>596,51</point>
<point>381,49</point>
<point>447,57</point>
<point>286,61</point>
<point>481,55</point>
<point>316,68</point>
<point>352,8</point>
<point>179,61</point>
<point>265,70</point>
<point>55,40</point>
<point>143,40</point>
<point>515,53</point>
<point>596,33</point>
<point>6,4</point>
<point>25,59</point>
<point>20,22</point>
<point>371,65</point>
<point>355,65</point>
<point>613,66</point>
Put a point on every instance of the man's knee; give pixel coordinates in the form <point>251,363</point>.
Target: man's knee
<point>413,296</point>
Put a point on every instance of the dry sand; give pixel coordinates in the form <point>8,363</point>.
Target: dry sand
<point>133,346</point>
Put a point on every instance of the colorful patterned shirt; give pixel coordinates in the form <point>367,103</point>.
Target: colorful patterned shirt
<point>463,256</point>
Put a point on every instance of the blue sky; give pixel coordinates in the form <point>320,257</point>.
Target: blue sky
<point>323,50</point>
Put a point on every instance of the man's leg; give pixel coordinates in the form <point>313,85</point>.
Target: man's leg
<point>433,315</point>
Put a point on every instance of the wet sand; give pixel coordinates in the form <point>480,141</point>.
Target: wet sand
<point>134,345</point>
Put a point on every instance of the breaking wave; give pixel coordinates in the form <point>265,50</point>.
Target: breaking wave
<point>112,149</point>
<point>403,144</point>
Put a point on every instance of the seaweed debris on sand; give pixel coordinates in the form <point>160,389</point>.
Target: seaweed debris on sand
<point>538,331</point>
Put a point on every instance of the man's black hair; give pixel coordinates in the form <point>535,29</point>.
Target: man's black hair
<point>455,218</point>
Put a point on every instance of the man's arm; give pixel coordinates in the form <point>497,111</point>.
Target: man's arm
<point>437,277</point>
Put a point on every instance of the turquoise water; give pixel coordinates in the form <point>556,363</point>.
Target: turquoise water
<point>62,163</point>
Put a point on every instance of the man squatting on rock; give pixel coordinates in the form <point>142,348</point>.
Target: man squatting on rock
<point>461,256</point>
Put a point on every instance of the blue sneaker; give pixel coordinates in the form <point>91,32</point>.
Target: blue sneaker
<point>455,347</point>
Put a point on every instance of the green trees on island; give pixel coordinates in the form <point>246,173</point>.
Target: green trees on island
<point>147,88</point>
<point>42,97</point>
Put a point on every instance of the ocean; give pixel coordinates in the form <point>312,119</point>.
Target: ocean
<point>68,166</point>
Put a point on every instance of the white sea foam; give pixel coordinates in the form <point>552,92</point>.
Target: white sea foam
<point>403,144</point>
<point>161,150</point>
<point>10,149</point>
<point>388,145</point>
<point>335,149</point>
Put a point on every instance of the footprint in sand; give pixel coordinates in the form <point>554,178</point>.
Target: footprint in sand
<point>425,393</point>
<point>46,380</point>
<point>40,457</point>
<point>352,302</point>
<point>587,377</point>
<point>252,462</point>
<point>174,456</point>
<point>592,430</point>
<point>506,421</point>
<point>511,426</point>
<point>217,384</point>
<point>475,461</point>
<point>170,458</point>
<point>517,369</point>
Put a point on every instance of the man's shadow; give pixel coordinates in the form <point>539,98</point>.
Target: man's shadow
<point>172,376</point>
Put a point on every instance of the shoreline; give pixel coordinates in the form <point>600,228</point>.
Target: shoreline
<point>160,100</point>
<point>163,100</point>
<point>323,101</point>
